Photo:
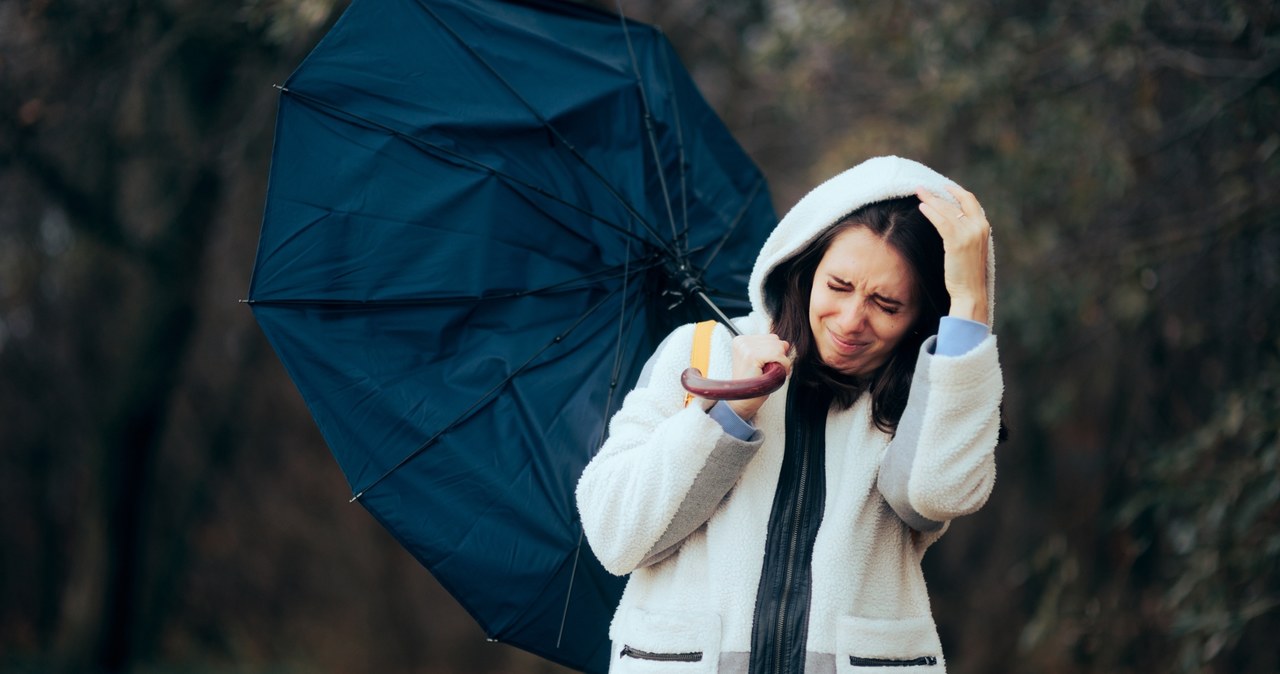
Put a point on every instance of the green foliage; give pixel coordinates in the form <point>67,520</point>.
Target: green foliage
<point>287,21</point>
<point>1127,154</point>
<point>1211,504</point>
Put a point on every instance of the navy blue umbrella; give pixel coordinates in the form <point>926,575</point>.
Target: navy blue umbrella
<point>482,215</point>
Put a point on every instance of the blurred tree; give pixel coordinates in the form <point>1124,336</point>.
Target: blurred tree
<point>173,503</point>
<point>122,155</point>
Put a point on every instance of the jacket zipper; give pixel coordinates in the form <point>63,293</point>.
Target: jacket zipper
<point>791,562</point>
<point>629,652</point>
<point>886,662</point>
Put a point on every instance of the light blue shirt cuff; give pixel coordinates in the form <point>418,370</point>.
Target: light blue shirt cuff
<point>730,421</point>
<point>958,336</point>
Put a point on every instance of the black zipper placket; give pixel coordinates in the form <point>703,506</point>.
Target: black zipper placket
<point>780,627</point>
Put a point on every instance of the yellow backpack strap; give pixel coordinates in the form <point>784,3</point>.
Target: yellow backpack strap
<point>700,357</point>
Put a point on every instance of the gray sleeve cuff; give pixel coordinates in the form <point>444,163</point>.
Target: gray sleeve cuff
<point>730,421</point>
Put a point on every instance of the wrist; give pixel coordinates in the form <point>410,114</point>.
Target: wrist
<point>745,409</point>
<point>969,308</point>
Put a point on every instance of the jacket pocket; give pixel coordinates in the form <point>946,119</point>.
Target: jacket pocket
<point>665,641</point>
<point>868,646</point>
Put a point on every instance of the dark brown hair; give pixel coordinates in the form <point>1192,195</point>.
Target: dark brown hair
<point>899,223</point>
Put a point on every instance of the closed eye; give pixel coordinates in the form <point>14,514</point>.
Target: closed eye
<point>887,304</point>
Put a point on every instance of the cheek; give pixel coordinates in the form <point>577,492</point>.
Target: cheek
<point>819,305</point>
<point>893,328</point>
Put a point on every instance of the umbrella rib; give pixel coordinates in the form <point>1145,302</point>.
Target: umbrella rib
<point>573,576</point>
<point>563,286</point>
<point>684,185</point>
<point>465,414</point>
<point>608,405</point>
<point>428,146</point>
<point>733,226</point>
<point>716,293</point>
<point>555,133</point>
<point>648,124</point>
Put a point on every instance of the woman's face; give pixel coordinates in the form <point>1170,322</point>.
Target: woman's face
<point>862,304</point>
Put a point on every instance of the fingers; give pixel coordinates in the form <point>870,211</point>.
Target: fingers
<point>972,228</point>
<point>957,226</point>
<point>968,203</point>
<point>965,233</point>
<point>937,203</point>
<point>752,352</point>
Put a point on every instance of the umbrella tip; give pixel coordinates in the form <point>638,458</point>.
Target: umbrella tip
<point>356,497</point>
<point>281,87</point>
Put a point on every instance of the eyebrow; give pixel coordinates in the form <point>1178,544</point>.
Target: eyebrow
<point>883,298</point>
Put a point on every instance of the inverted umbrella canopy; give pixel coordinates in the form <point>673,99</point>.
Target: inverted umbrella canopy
<point>479,215</point>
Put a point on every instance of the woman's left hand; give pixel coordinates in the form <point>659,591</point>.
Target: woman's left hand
<point>965,236</point>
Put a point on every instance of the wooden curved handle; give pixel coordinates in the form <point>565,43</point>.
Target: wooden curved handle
<point>770,380</point>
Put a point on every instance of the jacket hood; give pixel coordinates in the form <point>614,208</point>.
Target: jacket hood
<point>873,180</point>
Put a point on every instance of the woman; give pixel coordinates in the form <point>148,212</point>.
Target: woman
<point>784,534</point>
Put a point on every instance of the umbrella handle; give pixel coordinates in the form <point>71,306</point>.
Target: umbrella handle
<point>767,382</point>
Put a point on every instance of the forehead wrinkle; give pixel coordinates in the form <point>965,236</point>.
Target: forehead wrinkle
<point>867,262</point>
<point>883,288</point>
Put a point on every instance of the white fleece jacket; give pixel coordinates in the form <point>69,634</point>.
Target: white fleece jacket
<point>684,508</point>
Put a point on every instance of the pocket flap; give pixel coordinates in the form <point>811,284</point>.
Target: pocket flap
<point>871,645</point>
<point>658,633</point>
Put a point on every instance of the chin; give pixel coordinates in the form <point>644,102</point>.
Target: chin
<point>855,368</point>
<point>854,371</point>
<point>847,368</point>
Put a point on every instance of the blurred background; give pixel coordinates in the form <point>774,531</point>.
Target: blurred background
<point>166,503</point>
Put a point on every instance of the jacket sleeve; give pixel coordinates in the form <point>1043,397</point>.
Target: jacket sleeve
<point>663,470</point>
<point>941,462</point>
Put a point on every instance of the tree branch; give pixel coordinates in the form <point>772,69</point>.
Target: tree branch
<point>88,213</point>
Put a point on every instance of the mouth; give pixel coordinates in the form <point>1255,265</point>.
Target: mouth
<point>844,345</point>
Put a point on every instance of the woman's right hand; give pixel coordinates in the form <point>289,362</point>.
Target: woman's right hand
<point>750,354</point>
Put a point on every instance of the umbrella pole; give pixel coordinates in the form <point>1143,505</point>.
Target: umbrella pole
<point>720,316</point>
<point>691,286</point>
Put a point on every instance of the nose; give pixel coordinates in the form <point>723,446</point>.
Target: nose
<point>852,318</point>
